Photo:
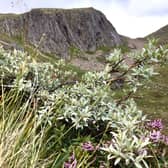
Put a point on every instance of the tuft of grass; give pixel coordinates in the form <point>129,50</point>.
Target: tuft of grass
<point>105,49</point>
<point>74,52</point>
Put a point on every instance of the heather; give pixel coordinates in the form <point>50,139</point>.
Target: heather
<point>49,117</point>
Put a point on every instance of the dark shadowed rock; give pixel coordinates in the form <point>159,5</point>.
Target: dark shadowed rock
<point>57,30</point>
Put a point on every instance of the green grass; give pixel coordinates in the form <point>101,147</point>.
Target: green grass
<point>74,52</point>
<point>105,49</point>
<point>6,16</point>
<point>76,69</point>
<point>154,97</point>
<point>124,48</point>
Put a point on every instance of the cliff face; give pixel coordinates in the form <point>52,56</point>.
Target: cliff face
<point>57,30</point>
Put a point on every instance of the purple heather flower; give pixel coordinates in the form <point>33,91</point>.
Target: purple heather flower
<point>165,139</point>
<point>72,162</point>
<point>156,124</point>
<point>155,136</point>
<point>87,146</point>
<point>143,152</point>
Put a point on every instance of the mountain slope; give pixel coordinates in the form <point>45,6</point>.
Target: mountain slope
<point>58,31</point>
<point>134,44</point>
<point>161,34</point>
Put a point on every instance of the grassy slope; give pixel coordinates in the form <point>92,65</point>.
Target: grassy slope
<point>138,43</point>
<point>154,96</point>
<point>162,34</point>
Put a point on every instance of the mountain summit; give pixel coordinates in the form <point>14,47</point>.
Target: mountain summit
<point>55,31</point>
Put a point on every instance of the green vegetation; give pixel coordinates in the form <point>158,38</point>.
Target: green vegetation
<point>50,119</point>
<point>105,49</point>
<point>74,51</point>
<point>124,48</point>
<point>153,97</point>
<point>6,16</point>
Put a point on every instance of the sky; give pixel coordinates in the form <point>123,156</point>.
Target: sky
<point>132,18</point>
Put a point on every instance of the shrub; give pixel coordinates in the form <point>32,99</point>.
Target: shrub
<point>49,120</point>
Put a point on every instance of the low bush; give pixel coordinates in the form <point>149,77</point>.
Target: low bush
<point>48,119</point>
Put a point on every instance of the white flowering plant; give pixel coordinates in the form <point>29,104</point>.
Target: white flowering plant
<point>46,115</point>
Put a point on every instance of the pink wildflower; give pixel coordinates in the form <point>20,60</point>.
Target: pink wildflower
<point>87,146</point>
<point>155,136</point>
<point>72,162</point>
<point>156,124</point>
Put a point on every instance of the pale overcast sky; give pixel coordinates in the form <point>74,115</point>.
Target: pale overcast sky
<point>133,18</point>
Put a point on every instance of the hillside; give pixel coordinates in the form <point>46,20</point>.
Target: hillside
<point>161,34</point>
<point>134,44</point>
<point>59,31</point>
<point>138,43</point>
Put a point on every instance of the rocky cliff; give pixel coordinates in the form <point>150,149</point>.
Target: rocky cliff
<point>55,31</point>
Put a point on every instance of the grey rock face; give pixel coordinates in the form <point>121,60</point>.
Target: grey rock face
<point>56,30</point>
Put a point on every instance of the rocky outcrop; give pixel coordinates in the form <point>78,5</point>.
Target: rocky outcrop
<point>57,30</point>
